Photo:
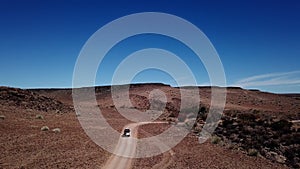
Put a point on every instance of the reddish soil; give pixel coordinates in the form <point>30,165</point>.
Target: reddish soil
<point>24,145</point>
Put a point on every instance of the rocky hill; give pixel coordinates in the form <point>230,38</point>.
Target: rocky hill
<point>26,99</point>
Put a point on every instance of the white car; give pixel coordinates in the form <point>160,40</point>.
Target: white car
<point>126,133</point>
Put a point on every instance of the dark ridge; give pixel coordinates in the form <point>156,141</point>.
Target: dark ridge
<point>200,87</point>
<point>145,84</point>
<point>186,87</point>
<point>254,90</point>
<point>99,87</point>
<point>234,87</point>
<point>292,95</point>
<point>47,89</point>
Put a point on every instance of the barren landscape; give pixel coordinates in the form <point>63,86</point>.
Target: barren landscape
<point>39,129</point>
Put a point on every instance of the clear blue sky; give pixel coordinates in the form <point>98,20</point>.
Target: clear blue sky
<point>258,42</point>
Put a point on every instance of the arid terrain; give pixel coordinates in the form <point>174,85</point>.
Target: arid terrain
<point>39,129</point>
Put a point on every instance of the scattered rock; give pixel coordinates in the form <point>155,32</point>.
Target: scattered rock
<point>2,117</point>
<point>280,159</point>
<point>276,157</point>
<point>235,124</point>
<point>45,128</point>
<point>257,134</point>
<point>198,127</point>
<point>215,139</point>
<point>252,152</point>
<point>281,125</point>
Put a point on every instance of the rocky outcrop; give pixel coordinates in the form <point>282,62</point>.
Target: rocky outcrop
<point>29,100</point>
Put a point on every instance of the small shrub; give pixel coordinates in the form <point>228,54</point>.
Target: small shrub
<point>2,117</point>
<point>56,130</point>
<point>173,114</point>
<point>189,124</point>
<point>45,128</point>
<point>202,113</point>
<point>203,109</point>
<point>252,152</point>
<point>215,139</point>
<point>39,117</point>
<point>181,117</point>
<point>202,116</point>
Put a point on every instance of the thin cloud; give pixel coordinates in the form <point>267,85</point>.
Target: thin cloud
<point>271,79</point>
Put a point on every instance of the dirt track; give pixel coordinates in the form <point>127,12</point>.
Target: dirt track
<point>126,148</point>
